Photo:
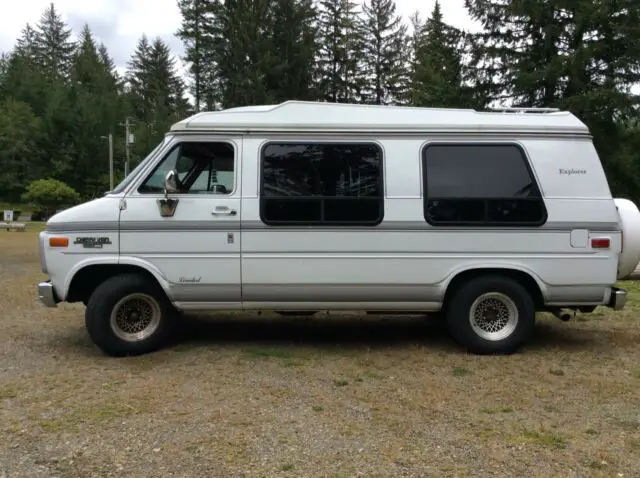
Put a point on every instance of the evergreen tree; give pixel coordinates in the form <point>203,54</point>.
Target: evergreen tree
<point>138,79</point>
<point>26,45</point>
<point>21,154</point>
<point>107,61</point>
<point>4,72</point>
<point>579,55</point>
<point>339,78</point>
<point>155,92</point>
<point>197,17</point>
<point>438,70</point>
<point>292,50</point>
<point>23,79</point>
<point>96,107</point>
<point>242,40</point>
<point>54,49</point>
<point>384,55</point>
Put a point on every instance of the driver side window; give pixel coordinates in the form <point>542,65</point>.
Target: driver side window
<point>201,167</point>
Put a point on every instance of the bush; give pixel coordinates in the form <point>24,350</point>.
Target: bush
<point>49,195</point>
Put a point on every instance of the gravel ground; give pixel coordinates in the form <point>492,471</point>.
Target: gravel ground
<point>331,396</point>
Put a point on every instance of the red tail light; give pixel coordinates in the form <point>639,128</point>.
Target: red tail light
<point>601,243</point>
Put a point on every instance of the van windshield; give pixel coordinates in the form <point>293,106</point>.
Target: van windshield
<point>125,182</point>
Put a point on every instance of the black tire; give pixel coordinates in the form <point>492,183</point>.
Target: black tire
<point>106,297</point>
<point>505,341</point>
<point>294,313</point>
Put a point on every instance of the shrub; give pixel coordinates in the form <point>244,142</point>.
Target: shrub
<point>49,195</point>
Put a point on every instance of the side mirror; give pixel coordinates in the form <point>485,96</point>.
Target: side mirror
<point>170,183</point>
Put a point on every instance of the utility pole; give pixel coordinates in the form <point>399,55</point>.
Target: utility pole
<point>110,162</point>
<point>110,138</point>
<point>126,147</point>
<point>128,139</point>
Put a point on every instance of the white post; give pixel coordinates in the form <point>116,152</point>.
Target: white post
<point>126,141</point>
<point>110,162</point>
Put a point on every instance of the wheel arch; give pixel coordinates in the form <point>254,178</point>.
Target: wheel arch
<point>84,280</point>
<point>524,277</point>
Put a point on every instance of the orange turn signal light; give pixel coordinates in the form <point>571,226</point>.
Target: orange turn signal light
<point>59,241</point>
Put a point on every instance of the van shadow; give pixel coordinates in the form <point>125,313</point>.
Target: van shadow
<point>353,332</point>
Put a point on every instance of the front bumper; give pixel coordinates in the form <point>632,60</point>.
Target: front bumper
<point>618,298</point>
<point>47,295</point>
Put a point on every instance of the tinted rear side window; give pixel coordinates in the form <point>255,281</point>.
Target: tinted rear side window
<point>480,184</point>
<point>322,184</point>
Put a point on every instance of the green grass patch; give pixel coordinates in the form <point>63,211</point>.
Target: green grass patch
<point>544,439</point>
<point>270,353</point>
<point>460,372</point>
<point>494,411</point>
<point>8,392</point>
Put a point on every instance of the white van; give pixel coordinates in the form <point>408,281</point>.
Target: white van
<point>485,217</point>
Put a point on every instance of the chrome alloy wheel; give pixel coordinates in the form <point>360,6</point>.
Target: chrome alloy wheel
<point>135,317</point>
<point>493,316</point>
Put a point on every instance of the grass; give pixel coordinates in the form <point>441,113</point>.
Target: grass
<point>242,395</point>
<point>544,439</point>
<point>7,392</point>
<point>461,372</point>
<point>494,411</point>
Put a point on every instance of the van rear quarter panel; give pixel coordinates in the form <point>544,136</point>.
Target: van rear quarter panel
<point>406,259</point>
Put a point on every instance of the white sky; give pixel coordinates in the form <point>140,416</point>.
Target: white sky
<point>120,23</point>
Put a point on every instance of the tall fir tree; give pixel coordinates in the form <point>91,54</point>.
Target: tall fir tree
<point>437,77</point>
<point>155,91</point>
<point>96,108</point>
<point>242,40</point>
<point>26,44</point>
<point>384,53</point>
<point>53,45</point>
<point>292,50</point>
<point>195,34</point>
<point>339,78</point>
<point>138,79</point>
<point>23,79</point>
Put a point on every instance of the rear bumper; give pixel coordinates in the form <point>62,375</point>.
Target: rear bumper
<point>47,295</point>
<point>618,298</point>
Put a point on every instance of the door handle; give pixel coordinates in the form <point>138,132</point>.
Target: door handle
<point>224,211</point>
<point>227,213</point>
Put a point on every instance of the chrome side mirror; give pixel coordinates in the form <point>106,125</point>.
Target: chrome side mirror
<point>170,183</point>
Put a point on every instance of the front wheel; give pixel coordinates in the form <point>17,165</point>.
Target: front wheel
<point>491,314</point>
<point>128,315</point>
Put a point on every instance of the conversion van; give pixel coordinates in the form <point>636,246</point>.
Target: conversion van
<point>482,217</point>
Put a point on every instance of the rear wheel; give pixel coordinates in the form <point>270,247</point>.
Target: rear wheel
<point>129,315</point>
<point>491,314</point>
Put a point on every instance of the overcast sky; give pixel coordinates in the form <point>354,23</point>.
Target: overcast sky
<point>120,23</point>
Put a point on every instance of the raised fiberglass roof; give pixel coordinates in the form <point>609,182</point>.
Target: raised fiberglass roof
<point>292,116</point>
